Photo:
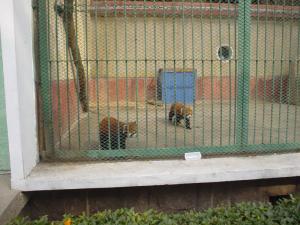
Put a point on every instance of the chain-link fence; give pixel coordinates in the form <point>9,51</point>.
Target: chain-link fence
<point>110,71</point>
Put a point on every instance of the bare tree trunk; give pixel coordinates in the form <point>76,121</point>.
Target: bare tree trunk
<point>70,35</point>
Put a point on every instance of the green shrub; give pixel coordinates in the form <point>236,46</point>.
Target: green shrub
<point>286,212</point>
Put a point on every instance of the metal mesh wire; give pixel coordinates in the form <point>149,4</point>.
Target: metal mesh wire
<point>103,59</point>
<point>274,64</point>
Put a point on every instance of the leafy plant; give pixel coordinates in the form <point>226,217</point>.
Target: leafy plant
<point>286,212</point>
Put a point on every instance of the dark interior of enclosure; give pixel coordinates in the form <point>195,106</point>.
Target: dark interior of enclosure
<point>275,199</point>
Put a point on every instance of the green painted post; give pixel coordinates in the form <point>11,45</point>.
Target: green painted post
<point>244,32</point>
<point>45,88</point>
<point>4,158</point>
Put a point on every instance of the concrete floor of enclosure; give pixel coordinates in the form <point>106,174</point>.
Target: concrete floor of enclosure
<point>212,125</point>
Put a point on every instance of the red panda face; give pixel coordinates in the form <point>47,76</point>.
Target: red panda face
<point>131,129</point>
<point>188,112</point>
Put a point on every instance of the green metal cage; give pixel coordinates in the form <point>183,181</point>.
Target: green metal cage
<point>102,58</point>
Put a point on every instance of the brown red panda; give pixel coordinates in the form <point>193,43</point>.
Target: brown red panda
<point>113,133</point>
<point>179,112</point>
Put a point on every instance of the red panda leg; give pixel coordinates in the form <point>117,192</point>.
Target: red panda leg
<point>171,114</point>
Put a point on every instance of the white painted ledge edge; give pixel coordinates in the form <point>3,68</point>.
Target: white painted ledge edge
<point>57,176</point>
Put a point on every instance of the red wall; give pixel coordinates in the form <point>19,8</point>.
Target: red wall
<point>68,105</point>
<point>64,105</point>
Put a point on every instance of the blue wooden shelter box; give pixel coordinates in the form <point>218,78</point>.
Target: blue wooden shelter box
<point>177,86</point>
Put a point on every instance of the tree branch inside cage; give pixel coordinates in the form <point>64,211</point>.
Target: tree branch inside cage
<point>66,12</point>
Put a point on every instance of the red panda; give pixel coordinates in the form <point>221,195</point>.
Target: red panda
<point>113,133</point>
<point>178,112</point>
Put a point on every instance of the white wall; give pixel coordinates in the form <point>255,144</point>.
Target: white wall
<point>18,68</point>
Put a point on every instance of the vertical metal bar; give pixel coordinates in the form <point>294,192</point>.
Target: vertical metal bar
<point>265,82</point>
<point>126,59</point>
<point>164,80</point>
<point>68,87</point>
<point>203,75</point>
<point>155,73</point>
<point>184,62</point>
<point>273,80</point>
<point>50,73</point>
<point>87,69</point>
<point>195,79</point>
<point>174,67</point>
<point>146,71</point>
<point>117,67</point>
<point>107,78</point>
<point>211,77</point>
<point>46,86</point>
<point>256,74</point>
<point>289,79</point>
<point>58,78</point>
<point>136,77</point>
<point>235,71</point>
<point>97,72</point>
<point>243,72</point>
<point>221,76</point>
<point>51,93</point>
<point>281,68</point>
<point>77,74</point>
<point>230,76</point>
<point>297,83</point>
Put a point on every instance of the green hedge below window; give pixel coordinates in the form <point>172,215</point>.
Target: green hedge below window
<point>286,211</point>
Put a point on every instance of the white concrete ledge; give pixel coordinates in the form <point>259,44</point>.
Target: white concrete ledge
<point>55,176</point>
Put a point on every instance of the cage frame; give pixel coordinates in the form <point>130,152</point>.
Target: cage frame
<point>29,174</point>
<point>245,12</point>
